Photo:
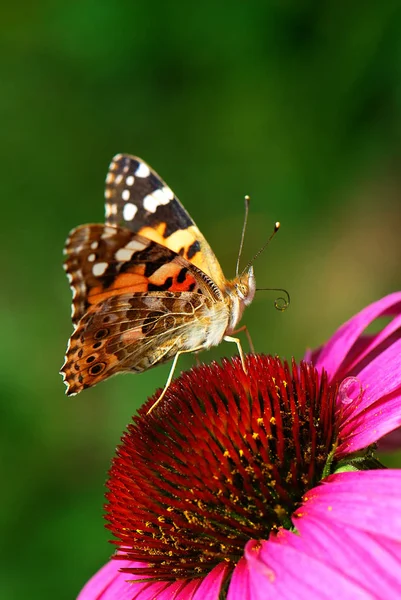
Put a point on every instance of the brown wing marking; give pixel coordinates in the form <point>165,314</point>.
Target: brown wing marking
<point>129,332</point>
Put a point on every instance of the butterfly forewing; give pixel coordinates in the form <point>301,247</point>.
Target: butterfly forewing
<point>102,261</point>
<point>138,199</point>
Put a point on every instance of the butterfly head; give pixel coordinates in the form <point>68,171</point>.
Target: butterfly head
<point>245,286</point>
<point>240,293</point>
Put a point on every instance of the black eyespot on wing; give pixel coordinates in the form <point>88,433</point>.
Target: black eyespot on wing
<point>101,333</point>
<point>96,369</point>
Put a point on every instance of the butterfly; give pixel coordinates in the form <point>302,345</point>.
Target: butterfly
<point>146,285</point>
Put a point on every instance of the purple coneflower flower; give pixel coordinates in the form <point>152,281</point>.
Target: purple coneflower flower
<point>264,485</point>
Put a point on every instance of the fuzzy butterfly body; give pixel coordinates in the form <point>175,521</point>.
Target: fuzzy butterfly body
<point>146,285</point>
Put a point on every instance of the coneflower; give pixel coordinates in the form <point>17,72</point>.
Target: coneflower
<point>264,484</point>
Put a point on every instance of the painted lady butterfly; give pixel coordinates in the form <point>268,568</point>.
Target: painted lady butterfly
<point>146,285</point>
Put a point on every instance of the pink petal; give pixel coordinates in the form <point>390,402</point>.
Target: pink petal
<point>371,561</point>
<point>239,588</point>
<point>365,500</point>
<point>282,571</point>
<point>382,376</point>
<point>174,590</point>
<point>109,584</point>
<point>348,544</point>
<point>371,346</point>
<point>335,351</point>
<point>210,586</point>
<point>378,411</point>
<point>366,429</point>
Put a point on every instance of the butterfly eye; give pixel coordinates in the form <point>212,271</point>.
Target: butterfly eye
<point>242,290</point>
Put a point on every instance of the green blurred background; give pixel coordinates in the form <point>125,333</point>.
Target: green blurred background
<point>296,103</point>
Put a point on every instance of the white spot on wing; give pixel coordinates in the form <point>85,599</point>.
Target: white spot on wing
<point>158,198</point>
<point>135,245</point>
<point>119,178</point>
<point>129,211</point>
<point>110,209</point>
<point>123,254</point>
<point>161,196</point>
<point>168,193</point>
<point>125,195</point>
<point>94,245</point>
<point>99,268</point>
<point>142,170</point>
<point>108,232</point>
<point>150,204</point>
<point>130,180</point>
<point>91,257</point>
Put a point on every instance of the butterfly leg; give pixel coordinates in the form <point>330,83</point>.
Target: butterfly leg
<point>248,337</point>
<point>197,359</point>
<point>170,375</point>
<point>237,341</point>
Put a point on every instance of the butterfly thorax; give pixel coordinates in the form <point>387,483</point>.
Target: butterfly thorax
<point>240,292</point>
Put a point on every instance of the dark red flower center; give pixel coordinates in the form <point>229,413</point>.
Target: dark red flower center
<point>224,458</point>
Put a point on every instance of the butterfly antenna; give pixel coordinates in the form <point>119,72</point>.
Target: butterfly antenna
<point>247,200</point>
<point>275,230</point>
<point>280,303</point>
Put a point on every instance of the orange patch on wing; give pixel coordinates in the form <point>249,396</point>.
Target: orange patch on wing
<point>172,270</point>
<point>124,283</point>
<point>204,259</point>
<point>164,272</point>
<point>185,286</point>
<point>182,238</point>
<point>155,233</point>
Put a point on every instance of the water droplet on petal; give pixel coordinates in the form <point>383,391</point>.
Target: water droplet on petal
<point>350,389</point>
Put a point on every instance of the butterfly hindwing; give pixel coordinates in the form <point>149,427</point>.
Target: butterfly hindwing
<point>131,332</point>
<point>139,200</point>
